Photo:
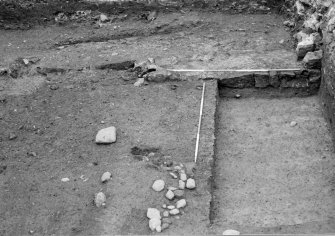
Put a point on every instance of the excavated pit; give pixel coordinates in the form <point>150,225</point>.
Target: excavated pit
<point>274,162</point>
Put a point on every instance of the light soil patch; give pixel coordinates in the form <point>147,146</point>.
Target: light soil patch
<point>271,176</point>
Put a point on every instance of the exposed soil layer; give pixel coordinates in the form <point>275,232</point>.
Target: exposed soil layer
<point>272,176</point>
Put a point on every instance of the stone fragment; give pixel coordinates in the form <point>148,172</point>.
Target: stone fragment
<point>293,123</point>
<point>179,193</point>
<point>164,206</point>
<point>165,226</point>
<point>106,136</point>
<point>312,22</point>
<point>231,232</point>
<point>65,180</point>
<point>305,46</point>
<point>190,184</point>
<point>158,185</point>
<point>12,136</point>
<point>171,207</point>
<point>105,177</point>
<point>172,188</point>
<point>166,214</point>
<point>181,184</point>
<point>158,229</point>
<point>100,199</point>
<point>139,82</point>
<point>103,18</point>
<point>173,175</point>
<point>312,60</point>
<point>183,177</point>
<point>166,221</point>
<point>153,213</point>
<point>181,203</point>
<point>174,212</point>
<point>154,223</point>
<point>169,195</point>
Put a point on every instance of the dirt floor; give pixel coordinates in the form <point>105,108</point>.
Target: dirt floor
<point>270,176</point>
<point>48,121</point>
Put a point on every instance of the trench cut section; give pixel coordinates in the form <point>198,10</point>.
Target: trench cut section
<point>274,164</point>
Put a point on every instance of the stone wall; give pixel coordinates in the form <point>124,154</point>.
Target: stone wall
<point>316,46</point>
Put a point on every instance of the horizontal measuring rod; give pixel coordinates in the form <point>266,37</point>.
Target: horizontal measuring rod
<point>237,70</point>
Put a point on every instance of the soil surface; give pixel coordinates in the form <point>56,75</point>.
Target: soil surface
<point>48,121</point>
<point>271,176</point>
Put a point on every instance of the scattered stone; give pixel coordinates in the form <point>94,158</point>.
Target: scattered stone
<point>158,185</point>
<point>181,184</point>
<point>158,229</point>
<point>179,193</point>
<point>164,206</point>
<point>153,213</point>
<point>100,199</point>
<point>312,60</point>
<point>169,195</point>
<point>237,95</point>
<point>12,136</point>
<point>173,175</point>
<point>293,123</point>
<point>32,154</point>
<point>165,226</point>
<point>166,214</point>
<point>282,41</point>
<point>306,45</point>
<point>154,223</point>
<point>54,87</point>
<point>65,180</point>
<point>166,221</point>
<point>174,212</point>
<point>231,232</point>
<point>106,176</point>
<point>190,184</point>
<point>103,18</point>
<point>183,177</point>
<point>106,136</point>
<point>172,188</point>
<point>181,203</point>
<point>139,82</point>
<point>170,207</point>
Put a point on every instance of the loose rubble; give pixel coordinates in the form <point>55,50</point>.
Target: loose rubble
<point>231,232</point>
<point>169,195</point>
<point>190,184</point>
<point>153,213</point>
<point>181,203</point>
<point>174,212</point>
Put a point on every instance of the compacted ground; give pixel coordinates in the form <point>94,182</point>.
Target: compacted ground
<point>48,122</point>
<point>272,175</point>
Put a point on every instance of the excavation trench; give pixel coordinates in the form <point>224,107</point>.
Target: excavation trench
<point>273,169</point>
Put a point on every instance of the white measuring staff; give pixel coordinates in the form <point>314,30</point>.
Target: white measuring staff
<point>239,70</point>
<point>199,125</point>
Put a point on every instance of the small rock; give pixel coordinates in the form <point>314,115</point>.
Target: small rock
<point>105,177</point>
<point>288,23</point>
<point>32,154</point>
<point>231,232</point>
<point>172,188</point>
<point>153,213</point>
<point>65,180</point>
<point>106,136</point>
<point>166,214</point>
<point>100,199</point>
<point>178,168</point>
<point>179,193</point>
<point>293,123</point>
<point>12,136</point>
<point>306,45</point>
<point>181,184</point>
<point>103,18</point>
<point>181,203</point>
<point>190,184</point>
<point>174,212</point>
<point>166,221</point>
<point>164,206</point>
<point>139,82</point>
<point>173,175</point>
<point>170,207</point>
<point>158,185</point>
<point>282,41</point>
<point>154,223</point>
<point>183,177</point>
<point>158,229</point>
<point>237,95</point>
<point>165,226</point>
<point>312,60</point>
<point>54,87</point>
<point>169,195</point>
